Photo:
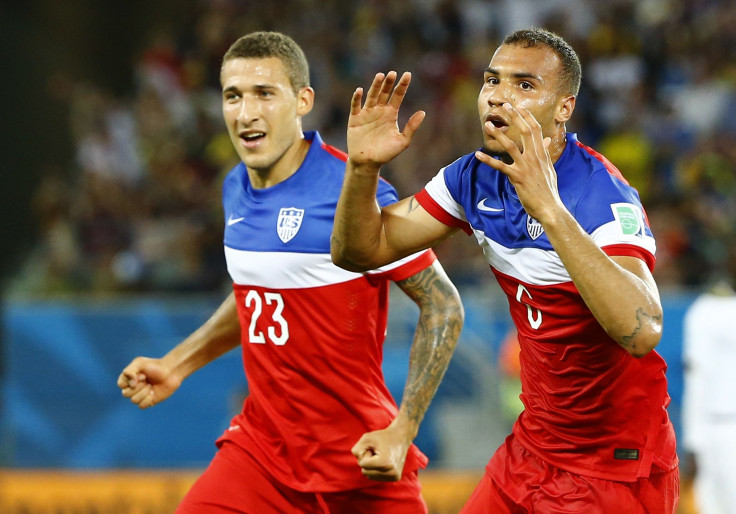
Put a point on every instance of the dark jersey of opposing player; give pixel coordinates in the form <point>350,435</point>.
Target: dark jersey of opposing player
<point>590,407</point>
<point>312,333</point>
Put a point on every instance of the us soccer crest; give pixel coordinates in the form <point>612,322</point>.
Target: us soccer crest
<point>289,222</point>
<point>534,228</point>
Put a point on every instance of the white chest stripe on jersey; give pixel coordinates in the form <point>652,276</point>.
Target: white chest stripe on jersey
<point>543,267</point>
<point>529,265</point>
<point>284,270</point>
<point>287,270</point>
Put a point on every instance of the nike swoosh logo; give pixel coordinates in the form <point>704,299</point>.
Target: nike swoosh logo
<point>233,221</point>
<point>483,207</point>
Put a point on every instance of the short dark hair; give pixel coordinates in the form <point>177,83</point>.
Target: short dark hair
<point>570,62</point>
<point>261,45</point>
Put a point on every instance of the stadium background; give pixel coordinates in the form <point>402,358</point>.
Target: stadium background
<point>114,148</point>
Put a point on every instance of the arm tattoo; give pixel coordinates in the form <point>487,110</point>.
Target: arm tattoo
<point>438,329</point>
<point>628,342</point>
<point>336,243</point>
<point>413,205</point>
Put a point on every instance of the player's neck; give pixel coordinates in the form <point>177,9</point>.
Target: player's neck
<point>557,145</point>
<point>283,168</point>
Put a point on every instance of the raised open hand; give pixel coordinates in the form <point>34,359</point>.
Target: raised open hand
<point>374,136</point>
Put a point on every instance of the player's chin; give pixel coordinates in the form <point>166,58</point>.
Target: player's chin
<point>497,153</point>
<point>492,147</point>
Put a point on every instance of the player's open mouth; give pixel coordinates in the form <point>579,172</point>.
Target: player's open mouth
<point>251,138</point>
<point>496,120</point>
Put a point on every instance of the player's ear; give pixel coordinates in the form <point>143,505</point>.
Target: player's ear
<point>565,107</point>
<point>305,100</point>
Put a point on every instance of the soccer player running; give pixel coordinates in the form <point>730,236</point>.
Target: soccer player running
<point>568,241</point>
<point>319,430</point>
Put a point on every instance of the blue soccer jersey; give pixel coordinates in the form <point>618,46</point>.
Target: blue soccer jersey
<point>312,333</point>
<point>590,407</point>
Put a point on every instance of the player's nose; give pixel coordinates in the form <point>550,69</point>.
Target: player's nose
<point>249,110</point>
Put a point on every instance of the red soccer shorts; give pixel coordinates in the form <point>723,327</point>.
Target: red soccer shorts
<point>535,486</point>
<point>236,483</point>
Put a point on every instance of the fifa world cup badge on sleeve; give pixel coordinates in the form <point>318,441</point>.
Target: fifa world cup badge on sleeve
<point>629,219</point>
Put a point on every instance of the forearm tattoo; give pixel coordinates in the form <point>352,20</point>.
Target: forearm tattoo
<point>435,338</point>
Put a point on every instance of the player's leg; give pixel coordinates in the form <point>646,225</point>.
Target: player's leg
<point>235,483</point>
<point>402,497</point>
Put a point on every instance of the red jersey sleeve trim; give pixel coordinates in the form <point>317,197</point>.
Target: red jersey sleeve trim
<point>412,267</point>
<point>631,251</point>
<point>434,209</point>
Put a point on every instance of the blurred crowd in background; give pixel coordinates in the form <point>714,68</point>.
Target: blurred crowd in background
<point>138,208</point>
